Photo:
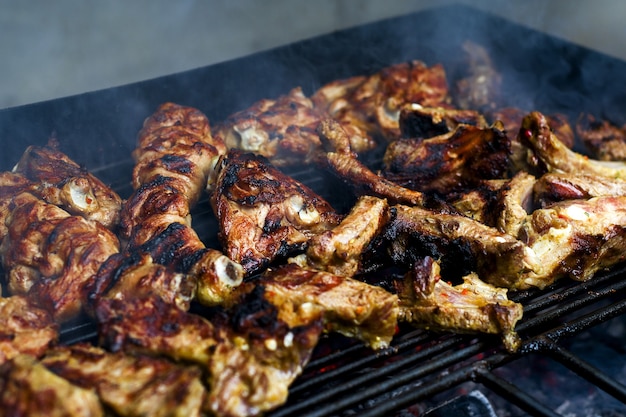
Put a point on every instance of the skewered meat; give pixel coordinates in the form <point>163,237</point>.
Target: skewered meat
<point>282,130</point>
<point>27,388</point>
<point>24,328</point>
<point>348,306</point>
<point>131,385</point>
<point>251,355</point>
<point>449,163</point>
<point>63,182</point>
<point>339,250</point>
<point>426,300</point>
<point>174,157</point>
<point>264,214</point>
<point>554,187</point>
<point>374,102</point>
<point>417,122</point>
<point>341,161</point>
<point>604,140</point>
<point>556,157</point>
<point>50,255</point>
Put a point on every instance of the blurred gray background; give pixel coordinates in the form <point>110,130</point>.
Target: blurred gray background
<point>51,49</point>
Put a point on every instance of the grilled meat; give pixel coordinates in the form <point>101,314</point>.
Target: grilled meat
<point>450,163</point>
<point>282,130</point>
<point>427,300</point>
<point>11,185</point>
<point>417,122</point>
<point>128,276</point>
<point>514,203</point>
<point>503,204</point>
<point>522,157</point>
<point>50,255</point>
<point>131,385</point>
<point>554,187</point>
<point>574,238</point>
<point>342,162</point>
<point>24,328</point>
<point>263,214</point>
<point>604,140</point>
<point>27,388</point>
<point>63,182</point>
<point>339,250</point>
<point>557,157</point>
<point>348,306</point>
<point>374,102</point>
<point>251,355</point>
<point>174,157</point>
<point>461,244</point>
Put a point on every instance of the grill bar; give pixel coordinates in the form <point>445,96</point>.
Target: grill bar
<point>513,394</point>
<point>588,372</point>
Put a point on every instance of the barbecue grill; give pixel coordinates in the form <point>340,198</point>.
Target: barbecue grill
<point>422,370</point>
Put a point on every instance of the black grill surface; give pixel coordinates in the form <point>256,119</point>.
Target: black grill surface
<point>421,370</point>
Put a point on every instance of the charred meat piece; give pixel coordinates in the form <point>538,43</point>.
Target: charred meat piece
<point>282,130</point>
<point>480,203</point>
<point>131,385</point>
<point>24,328</point>
<point>575,238</point>
<point>522,157</point>
<point>450,163</point>
<point>348,306</point>
<point>480,88</point>
<point>417,122</point>
<point>604,140</point>
<point>50,255</point>
<point>344,163</point>
<point>461,244</point>
<point>339,250</point>
<point>427,300</point>
<point>374,102</point>
<point>250,355</point>
<point>174,157</point>
<point>63,182</point>
<point>27,388</point>
<point>264,214</point>
<point>554,187</point>
<point>503,204</point>
<point>557,157</point>
<point>128,276</point>
<point>11,185</point>
<point>176,141</point>
<point>514,203</point>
